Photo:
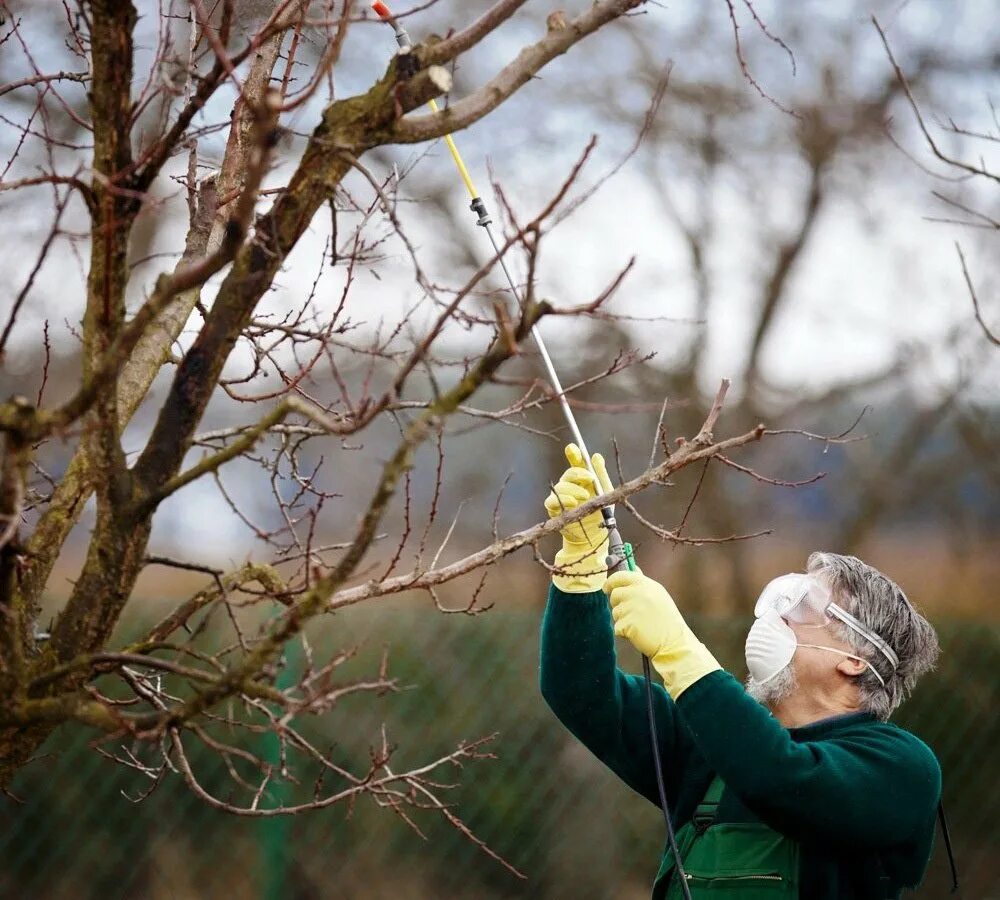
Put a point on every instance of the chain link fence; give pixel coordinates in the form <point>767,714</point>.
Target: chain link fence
<point>543,804</point>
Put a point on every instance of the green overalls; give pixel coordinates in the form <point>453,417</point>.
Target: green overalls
<point>744,860</point>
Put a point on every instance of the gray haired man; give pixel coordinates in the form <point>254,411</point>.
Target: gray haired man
<point>795,787</point>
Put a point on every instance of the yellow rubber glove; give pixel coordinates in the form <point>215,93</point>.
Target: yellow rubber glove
<point>645,614</point>
<point>582,559</point>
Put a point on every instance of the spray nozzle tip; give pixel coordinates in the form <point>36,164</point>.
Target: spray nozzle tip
<point>381,10</point>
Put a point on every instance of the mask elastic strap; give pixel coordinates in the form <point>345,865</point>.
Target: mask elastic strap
<point>871,668</point>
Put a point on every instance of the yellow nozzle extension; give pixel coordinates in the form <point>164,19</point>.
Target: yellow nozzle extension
<point>457,157</point>
<point>403,39</point>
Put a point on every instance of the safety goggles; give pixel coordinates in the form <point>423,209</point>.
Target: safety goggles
<point>805,600</point>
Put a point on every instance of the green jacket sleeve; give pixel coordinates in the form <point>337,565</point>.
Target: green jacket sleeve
<point>601,705</point>
<point>873,785</point>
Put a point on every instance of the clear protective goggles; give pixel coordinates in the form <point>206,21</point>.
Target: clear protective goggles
<point>805,600</point>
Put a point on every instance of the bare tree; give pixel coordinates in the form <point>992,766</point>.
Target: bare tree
<point>99,142</point>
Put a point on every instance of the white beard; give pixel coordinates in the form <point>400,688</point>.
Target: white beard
<point>775,689</point>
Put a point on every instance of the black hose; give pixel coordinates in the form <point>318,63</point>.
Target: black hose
<point>947,846</point>
<point>618,562</point>
<point>661,787</point>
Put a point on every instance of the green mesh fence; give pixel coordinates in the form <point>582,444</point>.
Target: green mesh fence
<point>544,803</point>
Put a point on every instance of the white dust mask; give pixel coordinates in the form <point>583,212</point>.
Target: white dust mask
<point>770,646</point>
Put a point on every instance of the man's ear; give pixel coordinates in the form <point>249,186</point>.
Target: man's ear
<point>851,667</point>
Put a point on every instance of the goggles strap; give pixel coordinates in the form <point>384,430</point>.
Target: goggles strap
<point>867,634</point>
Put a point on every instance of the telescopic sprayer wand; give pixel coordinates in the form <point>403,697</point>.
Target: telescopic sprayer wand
<point>619,552</point>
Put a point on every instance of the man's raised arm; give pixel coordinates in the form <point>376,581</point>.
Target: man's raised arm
<point>580,679</point>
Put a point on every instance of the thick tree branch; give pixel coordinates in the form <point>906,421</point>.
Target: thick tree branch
<point>451,47</point>
<point>347,125</point>
<point>94,605</point>
<point>462,113</point>
<point>205,235</point>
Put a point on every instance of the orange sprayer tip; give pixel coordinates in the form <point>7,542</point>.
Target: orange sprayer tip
<point>381,10</point>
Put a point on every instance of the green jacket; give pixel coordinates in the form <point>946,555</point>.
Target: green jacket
<point>859,795</point>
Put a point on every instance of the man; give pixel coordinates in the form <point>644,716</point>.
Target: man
<point>796,786</point>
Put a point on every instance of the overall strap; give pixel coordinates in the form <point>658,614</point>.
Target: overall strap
<point>706,811</point>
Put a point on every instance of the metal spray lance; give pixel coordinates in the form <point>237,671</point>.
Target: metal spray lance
<point>618,549</point>
<point>620,555</point>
